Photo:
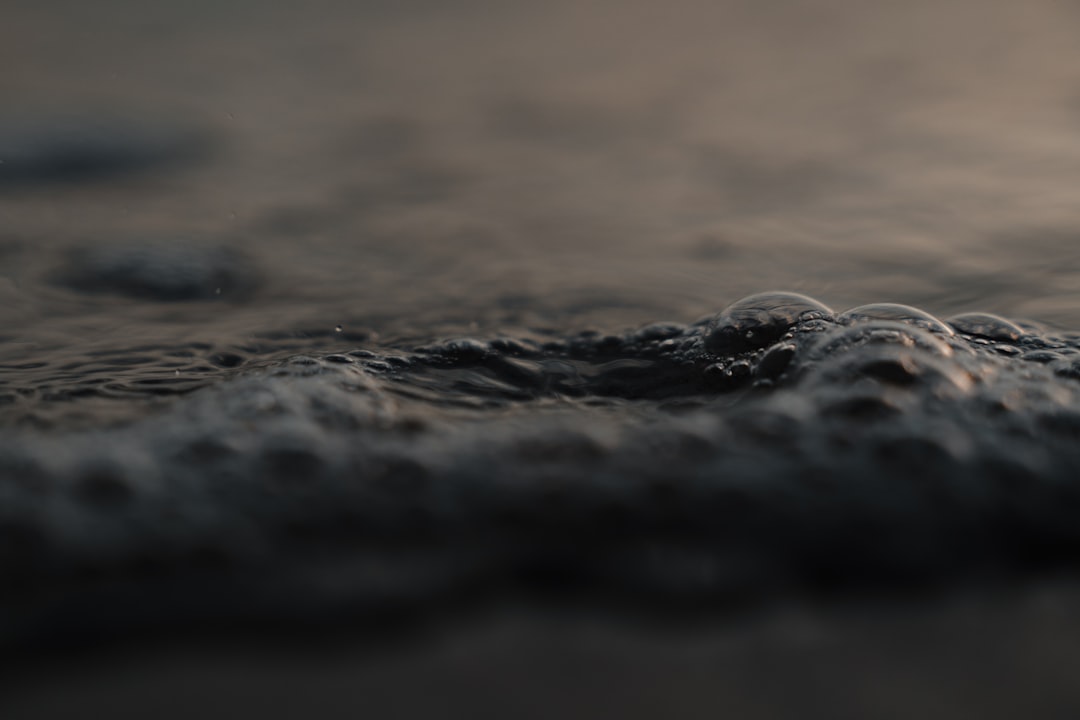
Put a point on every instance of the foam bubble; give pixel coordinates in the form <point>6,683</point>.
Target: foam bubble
<point>760,320</point>
<point>895,312</point>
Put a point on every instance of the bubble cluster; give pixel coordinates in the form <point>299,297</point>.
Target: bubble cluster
<point>774,445</point>
<point>759,320</point>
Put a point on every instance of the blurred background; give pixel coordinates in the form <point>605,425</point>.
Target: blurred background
<point>207,171</point>
<point>616,163</point>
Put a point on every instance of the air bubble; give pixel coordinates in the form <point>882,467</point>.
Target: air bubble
<point>760,320</point>
<point>985,325</point>
<point>879,333</point>
<point>894,312</point>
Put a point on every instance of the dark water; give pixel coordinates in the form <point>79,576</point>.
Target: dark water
<point>316,316</point>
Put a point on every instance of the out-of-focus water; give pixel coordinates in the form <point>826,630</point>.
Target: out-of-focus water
<point>319,310</point>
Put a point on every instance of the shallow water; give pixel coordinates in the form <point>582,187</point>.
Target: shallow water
<point>327,310</point>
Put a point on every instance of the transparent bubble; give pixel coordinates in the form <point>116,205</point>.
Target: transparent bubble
<point>894,312</point>
<point>879,333</point>
<point>988,326</point>
<point>760,320</point>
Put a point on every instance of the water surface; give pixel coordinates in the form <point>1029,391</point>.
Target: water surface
<point>315,311</point>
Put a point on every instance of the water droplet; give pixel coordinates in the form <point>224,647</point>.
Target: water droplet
<point>988,326</point>
<point>894,312</point>
<point>760,320</point>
